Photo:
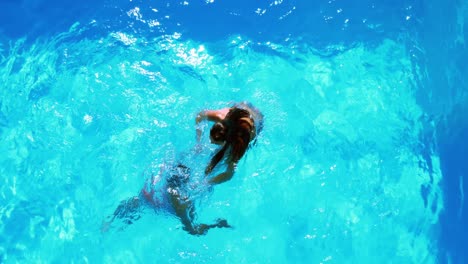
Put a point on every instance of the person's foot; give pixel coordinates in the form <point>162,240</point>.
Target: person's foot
<point>222,223</point>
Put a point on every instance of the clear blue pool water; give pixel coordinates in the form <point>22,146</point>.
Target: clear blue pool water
<point>362,158</point>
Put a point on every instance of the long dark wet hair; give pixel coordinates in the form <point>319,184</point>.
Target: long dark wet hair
<point>236,130</point>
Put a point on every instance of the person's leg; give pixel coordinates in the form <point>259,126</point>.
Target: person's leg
<point>185,210</point>
<point>128,211</point>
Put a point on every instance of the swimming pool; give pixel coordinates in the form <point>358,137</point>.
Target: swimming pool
<point>360,159</point>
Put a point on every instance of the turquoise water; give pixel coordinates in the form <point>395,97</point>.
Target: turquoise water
<point>340,173</point>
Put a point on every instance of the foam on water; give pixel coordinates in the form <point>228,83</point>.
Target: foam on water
<point>337,175</point>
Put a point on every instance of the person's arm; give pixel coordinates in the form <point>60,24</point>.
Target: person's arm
<point>224,176</point>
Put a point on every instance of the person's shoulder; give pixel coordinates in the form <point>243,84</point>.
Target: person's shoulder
<point>223,112</point>
<point>217,115</point>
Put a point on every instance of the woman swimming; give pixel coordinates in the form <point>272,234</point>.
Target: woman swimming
<point>170,190</point>
<point>234,129</point>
